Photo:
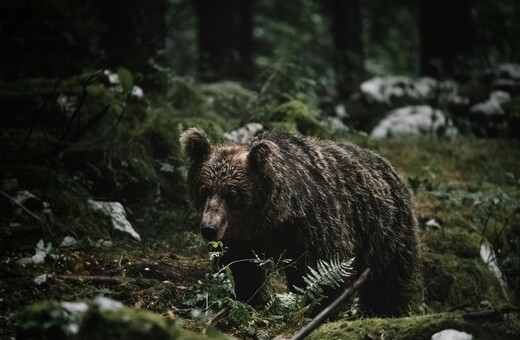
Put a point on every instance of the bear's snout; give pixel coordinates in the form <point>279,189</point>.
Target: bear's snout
<point>209,231</point>
<point>214,219</point>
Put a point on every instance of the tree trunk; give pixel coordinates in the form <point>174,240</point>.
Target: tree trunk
<point>225,39</point>
<point>347,31</point>
<point>446,34</point>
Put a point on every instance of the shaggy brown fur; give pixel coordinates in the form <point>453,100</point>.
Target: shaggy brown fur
<point>305,199</point>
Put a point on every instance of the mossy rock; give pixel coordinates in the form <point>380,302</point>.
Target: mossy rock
<point>453,241</point>
<point>231,100</point>
<point>453,282</point>
<point>296,117</point>
<point>417,327</point>
<point>107,320</point>
<point>128,323</point>
<point>186,96</point>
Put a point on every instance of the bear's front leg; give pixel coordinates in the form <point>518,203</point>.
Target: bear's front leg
<point>251,284</point>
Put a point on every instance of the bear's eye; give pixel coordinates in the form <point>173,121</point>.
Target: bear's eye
<point>232,196</point>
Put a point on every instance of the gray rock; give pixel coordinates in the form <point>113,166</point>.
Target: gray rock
<point>244,133</point>
<point>117,214</point>
<point>389,89</point>
<point>452,334</point>
<point>493,106</point>
<point>420,120</point>
<point>508,78</point>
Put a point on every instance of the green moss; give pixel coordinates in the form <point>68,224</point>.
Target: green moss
<point>187,97</point>
<point>453,282</point>
<point>211,124</point>
<point>44,320</point>
<point>126,323</point>
<point>54,320</point>
<point>418,327</point>
<point>295,116</point>
<point>453,241</point>
<point>230,100</point>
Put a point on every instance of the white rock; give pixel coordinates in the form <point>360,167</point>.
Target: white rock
<point>106,304</point>
<point>41,279</point>
<point>488,256</point>
<point>68,241</point>
<point>510,70</point>
<point>387,89</point>
<point>100,243</point>
<point>75,310</point>
<point>41,252</point>
<point>452,334</point>
<point>113,78</point>
<point>22,196</point>
<point>432,224</point>
<point>244,133</point>
<point>117,214</point>
<point>75,307</point>
<point>341,111</point>
<point>420,120</point>
<point>493,106</point>
<point>137,92</point>
<point>68,103</point>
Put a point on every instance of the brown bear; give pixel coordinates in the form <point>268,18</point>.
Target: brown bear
<point>305,199</point>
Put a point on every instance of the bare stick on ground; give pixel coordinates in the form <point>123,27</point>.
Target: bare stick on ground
<point>318,320</point>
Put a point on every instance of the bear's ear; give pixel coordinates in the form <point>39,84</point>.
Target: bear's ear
<point>259,154</point>
<point>195,144</point>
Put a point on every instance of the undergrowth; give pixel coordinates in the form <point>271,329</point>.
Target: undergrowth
<point>213,301</point>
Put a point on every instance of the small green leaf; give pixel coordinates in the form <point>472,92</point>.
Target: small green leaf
<point>125,78</point>
<point>215,244</point>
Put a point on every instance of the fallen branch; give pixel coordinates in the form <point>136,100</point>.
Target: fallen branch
<point>22,206</point>
<point>490,314</point>
<point>318,320</point>
<point>94,278</point>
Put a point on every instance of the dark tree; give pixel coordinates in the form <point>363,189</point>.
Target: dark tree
<point>446,34</point>
<point>134,32</point>
<point>347,32</point>
<point>225,39</point>
<point>45,38</point>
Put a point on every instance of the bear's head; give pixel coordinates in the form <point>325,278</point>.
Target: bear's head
<point>224,180</point>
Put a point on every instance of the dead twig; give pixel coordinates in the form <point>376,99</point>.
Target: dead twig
<point>94,278</point>
<point>22,206</point>
<point>318,320</point>
<point>490,314</point>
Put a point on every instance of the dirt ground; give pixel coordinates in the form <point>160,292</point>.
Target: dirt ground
<point>146,275</point>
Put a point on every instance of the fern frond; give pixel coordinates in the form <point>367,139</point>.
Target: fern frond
<point>327,273</point>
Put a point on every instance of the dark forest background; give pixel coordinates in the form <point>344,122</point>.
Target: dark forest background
<point>333,42</point>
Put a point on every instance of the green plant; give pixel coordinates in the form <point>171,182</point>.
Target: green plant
<point>327,274</point>
<point>215,296</point>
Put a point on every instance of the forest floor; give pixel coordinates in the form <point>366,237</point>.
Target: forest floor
<point>71,144</point>
<point>152,275</point>
<point>160,273</point>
